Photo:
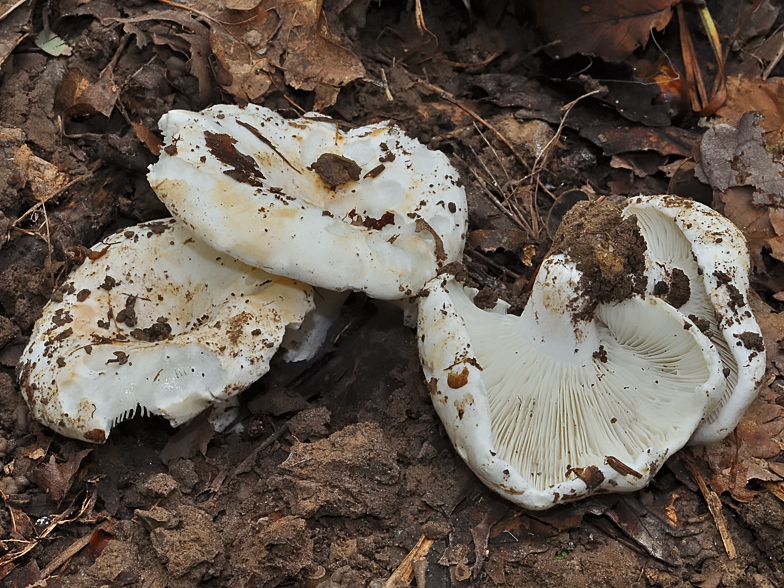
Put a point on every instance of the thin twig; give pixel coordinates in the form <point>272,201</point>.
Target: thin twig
<point>716,508</point>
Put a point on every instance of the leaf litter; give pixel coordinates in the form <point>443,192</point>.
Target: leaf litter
<point>342,468</point>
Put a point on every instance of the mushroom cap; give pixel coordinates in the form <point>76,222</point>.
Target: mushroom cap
<point>158,320</point>
<point>369,209</point>
<point>545,408</point>
<point>711,253</point>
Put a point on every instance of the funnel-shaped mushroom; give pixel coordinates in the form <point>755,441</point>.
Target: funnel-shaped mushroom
<point>562,402</point>
<point>158,320</point>
<point>369,209</point>
<point>697,261</point>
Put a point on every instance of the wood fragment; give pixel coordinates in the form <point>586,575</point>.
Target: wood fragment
<point>404,573</point>
<point>775,488</point>
<point>74,548</point>
<point>715,507</point>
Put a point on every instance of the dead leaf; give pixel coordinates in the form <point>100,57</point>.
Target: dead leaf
<point>98,542</point>
<point>15,26</point>
<point>614,139</point>
<point>733,156</point>
<point>315,59</point>
<point>240,72</point>
<point>292,40</point>
<point>607,28</point>
<point>758,427</point>
<point>189,440</point>
<point>56,478</point>
<point>147,137</point>
<point>43,177</point>
<point>772,326</point>
<point>763,96</point>
<point>491,240</point>
<point>78,95</point>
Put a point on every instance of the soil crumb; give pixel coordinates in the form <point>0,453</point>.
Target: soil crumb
<point>607,249</point>
<point>679,289</point>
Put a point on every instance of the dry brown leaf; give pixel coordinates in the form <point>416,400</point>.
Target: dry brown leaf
<point>607,28</point>
<point>758,427</point>
<point>43,177</point>
<point>294,38</point>
<point>239,71</point>
<point>763,96</point>
<point>78,95</point>
<point>56,478</point>
<point>15,26</point>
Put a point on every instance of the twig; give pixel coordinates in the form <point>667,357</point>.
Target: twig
<point>715,507</point>
<point>405,571</point>
<point>74,548</point>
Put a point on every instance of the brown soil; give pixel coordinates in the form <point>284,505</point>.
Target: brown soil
<point>340,464</point>
<point>607,249</point>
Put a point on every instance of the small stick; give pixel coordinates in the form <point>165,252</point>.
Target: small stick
<point>405,571</point>
<point>715,507</point>
<point>74,548</point>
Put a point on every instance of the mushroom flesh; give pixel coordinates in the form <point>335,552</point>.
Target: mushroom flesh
<point>698,261</point>
<point>580,393</point>
<point>157,320</point>
<point>369,209</point>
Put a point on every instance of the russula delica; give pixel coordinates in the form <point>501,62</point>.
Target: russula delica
<point>698,261</point>
<point>154,319</point>
<point>370,209</point>
<point>591,389</point>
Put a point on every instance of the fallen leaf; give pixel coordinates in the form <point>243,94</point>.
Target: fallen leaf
<point>765,97</point>
<point>43,177</point>
<point>607,28</point>
<point>98,542</point>
<point>614,139</point>
<point>52,44</point>
<point>79,96</point>
<point>56,478</point>
<point>733,156</point>
<point>15,26</point>
<point>190,439</point>
<point>491,240</point>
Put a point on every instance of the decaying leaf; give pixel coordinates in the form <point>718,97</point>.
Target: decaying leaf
<point>253,45</point>
<point>15,26</point>
<point>488,240</point>
<point>56,478</point>
<point>52,44</point>
<point>736,156</point>
<point>607,28</point>
<point>78,95</point>
<point>43,177</point>
<point>765,97</point>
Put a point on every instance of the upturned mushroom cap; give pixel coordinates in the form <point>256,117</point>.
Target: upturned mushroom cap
<point>549,407</point>
<point>698,261</point>
<point>158,320</point>
<point>369,209</point>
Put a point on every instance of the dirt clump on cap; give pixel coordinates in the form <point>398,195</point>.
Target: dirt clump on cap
<point>607,249</point>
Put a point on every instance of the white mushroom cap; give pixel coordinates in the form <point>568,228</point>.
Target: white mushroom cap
<point>159,321</point>
<point>241,178</point>
<point>711,252</point>
<point>546,407</point>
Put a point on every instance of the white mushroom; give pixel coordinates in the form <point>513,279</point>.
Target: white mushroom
<point>697,260</point>
<point>369,209</point>
<point>560,402</point>
<point>158,320</point>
